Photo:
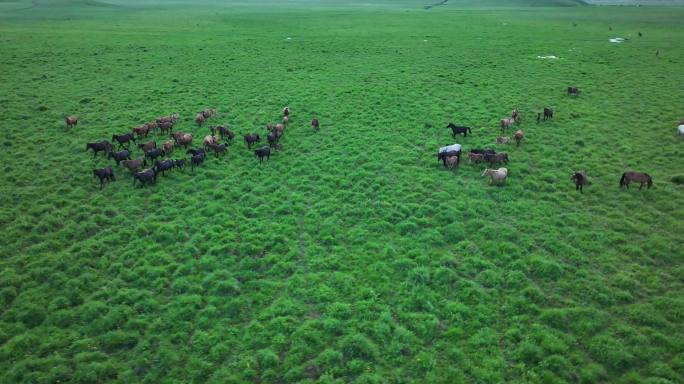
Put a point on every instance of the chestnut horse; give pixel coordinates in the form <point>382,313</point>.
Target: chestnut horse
<point>519,135</point>
<point>71,121</point>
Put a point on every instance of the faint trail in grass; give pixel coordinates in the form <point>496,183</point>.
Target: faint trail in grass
<point>436,4</point>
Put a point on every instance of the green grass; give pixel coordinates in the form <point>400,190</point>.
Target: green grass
<point>351,256</point>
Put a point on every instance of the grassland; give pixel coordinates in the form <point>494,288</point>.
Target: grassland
<point>351,256</point>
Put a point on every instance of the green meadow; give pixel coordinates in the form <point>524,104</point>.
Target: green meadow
<point>352,255</point>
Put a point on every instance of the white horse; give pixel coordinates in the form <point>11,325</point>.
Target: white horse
<point>680,130</point>
<point>498,176</point>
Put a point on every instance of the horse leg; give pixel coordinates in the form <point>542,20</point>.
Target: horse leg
<point>641,185</point>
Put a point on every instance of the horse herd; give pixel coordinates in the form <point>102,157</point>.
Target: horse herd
<point>155,154</point>
<point>450,155</point>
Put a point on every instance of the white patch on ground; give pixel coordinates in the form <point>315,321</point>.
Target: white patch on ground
<point>288,38</point>
<point>550,57</point>
<point>617,40</point>
<point>425,41</point>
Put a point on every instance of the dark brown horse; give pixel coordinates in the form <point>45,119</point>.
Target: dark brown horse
<point>548,113</point>
<point>147,146</point>
<point>315,124</point>
<point>149,175</point>
<point>573,91</point>
<point>501,157</point>
<point>519,135</point>
<point>263,152</point>
<point>142,130</point>
<point>102,146</point>
<point>199,119</point>
<point>224,132</point>
<point>251,139</point>
<point>208,112</point>
<point>119,156</point>
<point>134,165</point>
<point>104,174</point>
<point>124,139</point>
<point>71,121</point>
<point>641,178</point>
<point>580,179</point>
<point>165,127</point>
<point>218,148</point>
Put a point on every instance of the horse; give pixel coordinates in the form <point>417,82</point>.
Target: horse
<point>573,91</point>
<point>141,131</point>
<point>119,156</point>
<point>449,150</point>
<point>163,166</point>
<point>151,125</point>
<point>147,146</point>
<point>272,138</point>
<point>193,151</point>
<point>280,128</point>
<point>458,129</point>
<point>483,151</point>
<point>104,174</point>
<point>169,119</point>
<point>516,115</point>
<point>315,124</point>
<point>681,122</point>
<point>475,158</point>
<point>286,111</point>
<point>208,112</point>
<point>103,145</point>
<point>278,147</point>
<point>184,140</point>
<point>251,139</point>
<point>168,146</point>
<point>519,135</point>
<point>152,154</point>
<point>263,152</point>
<point>641,178</point>
<point>209,140</point>
<point>497,176</point>
<point>199,119</point>
<point>197,160</point>
<point>503,140</point>
<point>125,138</point>
<point>450,161</point>
<point>146,176</point>
<point>270,127</point>
<point>286,120</point>
<point>548,113</point>
<point>580,179</point>
<point>71,121</point>
<point>179,163</point>
<point>135,165</point>
<point>224,132</point>
<point>218,148</point>
<point>506,123</point>
<point>501,157</point>
<point>165,127</point>
<point>680,130</point>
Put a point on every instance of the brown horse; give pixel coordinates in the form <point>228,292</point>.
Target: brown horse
<point>165,127</point>
<point>147,146</point>
<point>641,178</point>
<point>71,121</point>
<point>168,119</point>
<point>501,157</point>
<point>184,140</point>
<point>142,130</point>
<point>199,119</point>
<point>451,161</point>
<point>134,165</point>
<point>506,123</point>
<point>475,158</point>
<point>209,140</point>
<point>519,135</point>
<point>168,146</point>
<point>286,120</point>
<point>315,124</point>
<point>104,174</point>
<point>208,112</point>
<point>580,179</point>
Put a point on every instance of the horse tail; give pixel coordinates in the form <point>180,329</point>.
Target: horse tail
<point>622,179</point>
<point>650,180</point>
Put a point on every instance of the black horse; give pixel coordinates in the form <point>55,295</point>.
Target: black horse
<point>179,163</point>
<point>163,166</point>
<point>197,160</point>
<point>580,179</point>
<point>573,91</point>
<point>152,154</point>
<point>458,129</point>
<point>263,152</point>
<point>218,148</point>
<point>119,156</point>
<point>251,139</point>
<point>195,151</point>
<point>124,139</point>
<point>548,113</point>
<point>102,146</point>
<point>272,138</point>
<point>146,176</point>
<point>104,174</point>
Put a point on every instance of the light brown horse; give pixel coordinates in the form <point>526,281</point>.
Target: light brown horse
<point>184,140</point>
<point>142,130</point>
<point>450,161</point>
<point>506,123</point>
<point>209,140</point>
<point>519,135</point>
<point>497,176</point>
<point>168,146</point>
<point>134,165</point>
<point>199,119</point>
<point>71,121</point>
<point>280,128</point>
<point>286,120</point>
<point>639,177</point>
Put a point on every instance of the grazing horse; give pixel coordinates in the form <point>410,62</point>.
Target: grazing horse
<point>163,166</point>
<point>506,123</point>
<point>179,163</point>
<point>286,120</point>
<point>483,151</point>
<point>147,146</point>
<point>218,148</point>
<point>516,115</point>
<point>580,179</point>
<point>104,146</point>
<point>104,174</point>
<point>475,158</point>
<point>71,121</point>
<point>503,140</point>
<point>208,112</point>
<point>199,119</point>
<point>449,150</point>
<point>642,178</point>
<point>573,91</point>
<point>458,129</point>
<point>169,119</point>
<point>451,161</point>
<point>315,124</point>
<point>224,132</point>
<point>183,140</point>
<point>501,157</point>
<point>272,138</point>
<point>142,130</point>
<point>125,138</point>
<point>286,111</point>
<point>152,154</point>
<point>251,139</point>
<point>497,176</point>
<point>146,176</point>
<point>209,140</point>
<point>548,113</point>
<point>680,130</point>
<point>193,151</point>
<point>119,156</point>
<point>168,146</point>
<point>165,127</point>
<point>263,152</point>
<point>519,135</point>
<point>134,165</point>
<point>197,160</point>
